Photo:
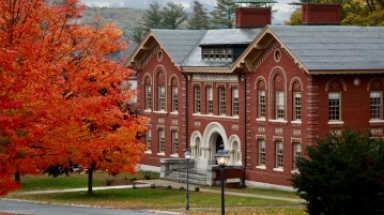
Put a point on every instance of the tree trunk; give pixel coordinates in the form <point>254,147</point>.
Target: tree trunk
<point>90,178</point>
<point>17,177</point>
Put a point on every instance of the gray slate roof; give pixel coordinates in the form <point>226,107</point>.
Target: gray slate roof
<point>317,47</point>
<point>179,43</point>
<point>335,47</point>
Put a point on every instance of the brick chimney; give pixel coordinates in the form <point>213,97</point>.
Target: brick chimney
<point>321,14</point>
<point>253,17</point>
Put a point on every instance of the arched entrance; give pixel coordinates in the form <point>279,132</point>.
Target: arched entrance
<point>213,137</point>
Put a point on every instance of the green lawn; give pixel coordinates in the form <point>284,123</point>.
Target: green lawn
<point>160,198</point>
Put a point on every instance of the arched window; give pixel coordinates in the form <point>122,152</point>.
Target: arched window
<point>148,94</point>
<point>261,100</point>
<point>296,101</point>
<point>161,95</point>
<point>174,95</point>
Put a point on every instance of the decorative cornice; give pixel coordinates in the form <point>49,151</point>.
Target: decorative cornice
<point>149,57</point>
<point>268,51</point>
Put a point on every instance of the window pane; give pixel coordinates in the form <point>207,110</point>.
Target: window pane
<point>197,99</point>
<point>376,107</point>
<point>261,153</point>
<point>149,140</point>
<point>279,154</point>
<point>161,98</point>
<point>297,106</point>
<point>235,101</point>
<point>261,106</point>
<point>222,107</point>
<point>175,142</point>
<point>175,99</point>
<point>334,106</point>
<point>280,105</point>
<point>296,153</point>
<point>161,141</point>
<point>148,97</point>
<point>209,100</point>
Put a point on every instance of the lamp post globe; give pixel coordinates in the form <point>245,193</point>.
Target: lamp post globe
<point>187,156</point>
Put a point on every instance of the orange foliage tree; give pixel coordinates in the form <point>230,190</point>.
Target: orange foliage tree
<point>61,98</point>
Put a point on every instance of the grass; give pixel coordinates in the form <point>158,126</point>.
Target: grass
<point>45,182</point>
<point>259,191</point>
<point>159,198</point>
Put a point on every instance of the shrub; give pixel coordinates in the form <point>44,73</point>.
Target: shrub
<point>153,186</point>
<point>147,175</point>
<point>108,181</point>
<point>181,188</point>
<point>343,174</point>
<point>169,187</point>
<point>197,189</point>
<point>133,179</point>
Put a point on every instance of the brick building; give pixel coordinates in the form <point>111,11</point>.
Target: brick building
<point>264,92</point>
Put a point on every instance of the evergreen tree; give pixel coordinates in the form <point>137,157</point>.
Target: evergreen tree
<point>223,13</point>
<point>199,19</point>
<point>152,17</point>
<point>343,174</point>
<point>173,15</point>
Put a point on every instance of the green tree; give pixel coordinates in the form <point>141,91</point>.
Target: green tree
<point>199,18</point>
<point>173,15</point>
<point>223,13</point>
<point>152,17</point>
<point>138,33</point>
<point>342,174</point>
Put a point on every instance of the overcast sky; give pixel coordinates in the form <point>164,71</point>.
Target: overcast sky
<point>283,13</point>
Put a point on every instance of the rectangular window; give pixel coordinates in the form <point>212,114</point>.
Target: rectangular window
<point>297,106</point>
<point>235,102</point>
<point>280,105</point>
<point>296,153</point>
<point>209,100</point>
<point>175,142</point>
<point>205,54</point>
<point>376,105</point>
<point>279,154</point>
<point>222,102</point>
<point>261,149</point>
<point>175,99</point>
<point>229,54</point>
<point>261,105</point>
<point>334,106</point>
<point>211,54</point>
<point>161,141</point>
<point>148,97</point>
<point>161,98</point>
<point>223,54</point>
<point>148,138</point>
<point>197,99</point>
<point>217,54</point>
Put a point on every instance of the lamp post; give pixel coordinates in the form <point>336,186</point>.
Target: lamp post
<point>187,155</point>
<point>222,158</point>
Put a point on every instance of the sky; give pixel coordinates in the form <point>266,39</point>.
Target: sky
<point>283,13</point>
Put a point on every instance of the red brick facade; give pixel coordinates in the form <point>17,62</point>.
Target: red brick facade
<point>284,131</point>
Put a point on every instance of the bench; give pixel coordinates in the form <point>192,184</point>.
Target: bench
<point>233,183</point>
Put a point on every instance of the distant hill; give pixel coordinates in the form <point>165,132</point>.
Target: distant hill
<point>124,18</point>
